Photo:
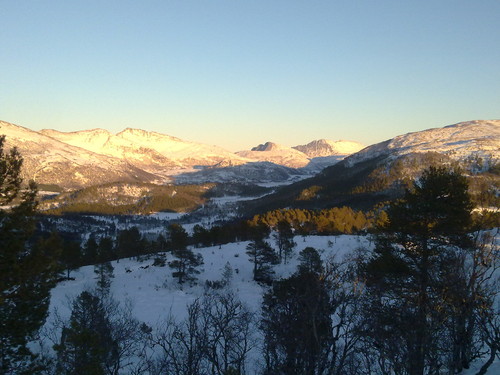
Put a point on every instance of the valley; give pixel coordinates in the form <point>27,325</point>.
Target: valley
<point>168,236</point>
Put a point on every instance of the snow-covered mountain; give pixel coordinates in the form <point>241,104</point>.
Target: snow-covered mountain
<point>325,148</point>
<point>96,156</point>
<point>313,156</point>
<point>90,157</point>
<point>379,172</point>
<point>154,152</point>
<point>278,154</point>
<point>50,161</point>
<point>461,141</point>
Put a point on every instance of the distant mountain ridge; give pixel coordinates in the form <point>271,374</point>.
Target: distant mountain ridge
<point>314,156</point>
<point>479,138</point>
<point>96,156</point>
<point>380,172</point>
<point>324,148</point>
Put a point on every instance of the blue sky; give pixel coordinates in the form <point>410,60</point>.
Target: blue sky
<point>238,73</point>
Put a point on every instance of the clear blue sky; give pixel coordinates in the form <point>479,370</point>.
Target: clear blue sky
<point>238,73</point>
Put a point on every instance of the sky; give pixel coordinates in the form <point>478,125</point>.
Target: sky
<point>238,73</point>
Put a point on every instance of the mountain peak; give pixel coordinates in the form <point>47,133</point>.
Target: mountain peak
<point>268,146</point>
<point>324,147</point>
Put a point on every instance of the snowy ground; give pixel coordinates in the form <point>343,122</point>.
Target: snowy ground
<point>154,293</point>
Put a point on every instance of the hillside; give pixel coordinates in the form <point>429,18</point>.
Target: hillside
<point>381,172</point>
<point>154,293</point>
<point>50,161</point>
<point>155,297</point>
<point>127,199</point>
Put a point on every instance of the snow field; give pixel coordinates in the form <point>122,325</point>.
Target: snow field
<point>154,293</point>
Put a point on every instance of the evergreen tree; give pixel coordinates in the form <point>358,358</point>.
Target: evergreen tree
<point>129,243</point>
<point>106,250</point>
<point>160,244</point>
<point>284,240</point>
<point>104,274</point>
<point>186,262</point>
<point>27,272</point>
<point>310,261</point>
<point>297,326</point>
<point>70,256</point>
<point>103,268</point>
<point>87,345</point>
<point>406,278</point>
<point>201,236</point>
<point>90,251</point>
<point>263,258</point>
<point>227,274</point>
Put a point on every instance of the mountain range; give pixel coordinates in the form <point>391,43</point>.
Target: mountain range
<point>326,173</point>
<point>90,157</point>
<point>382,171</point>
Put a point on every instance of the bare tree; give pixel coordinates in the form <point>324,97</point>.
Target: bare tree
<point>181,344</point>
<point>215,338</point>
<point>228,327</point>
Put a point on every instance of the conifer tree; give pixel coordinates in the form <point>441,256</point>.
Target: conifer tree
<point>406,278</point>
<point>263,257</point>
<point>70,256</point>
<point>27,272</point>
<point>106,250</point>
<point>186,262</point>
<point>129,243</point>
<point>103,269</point>
<point>310,261</point>
<point>284,240</point>
<point>90,251</point>
<point>297,326</point>
<point>87,345</point>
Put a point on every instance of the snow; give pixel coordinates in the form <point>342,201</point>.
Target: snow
<point>98,156</point>
<point>459,141</point>
<point>167,216</point>
<point>155,294</point>
<point>324,148</point>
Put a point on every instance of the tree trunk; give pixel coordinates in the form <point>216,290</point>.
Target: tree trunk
<point>488,363</point>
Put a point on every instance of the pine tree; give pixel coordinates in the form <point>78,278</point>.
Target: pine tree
<point>263,258</point>
<point>90,251</point>
<point>27,272</point>
<point>87,345</point>
<point>103,268</point>
<point>104,274</point>
<point>406,277</point>
<point>284,239</point>
<point>186,262</point>
<point>70,256</point>
<point>297,326</point>
<point>227,274</point>
<point>310,261</point>
<point>106,250</point>
<point>129,243</point>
